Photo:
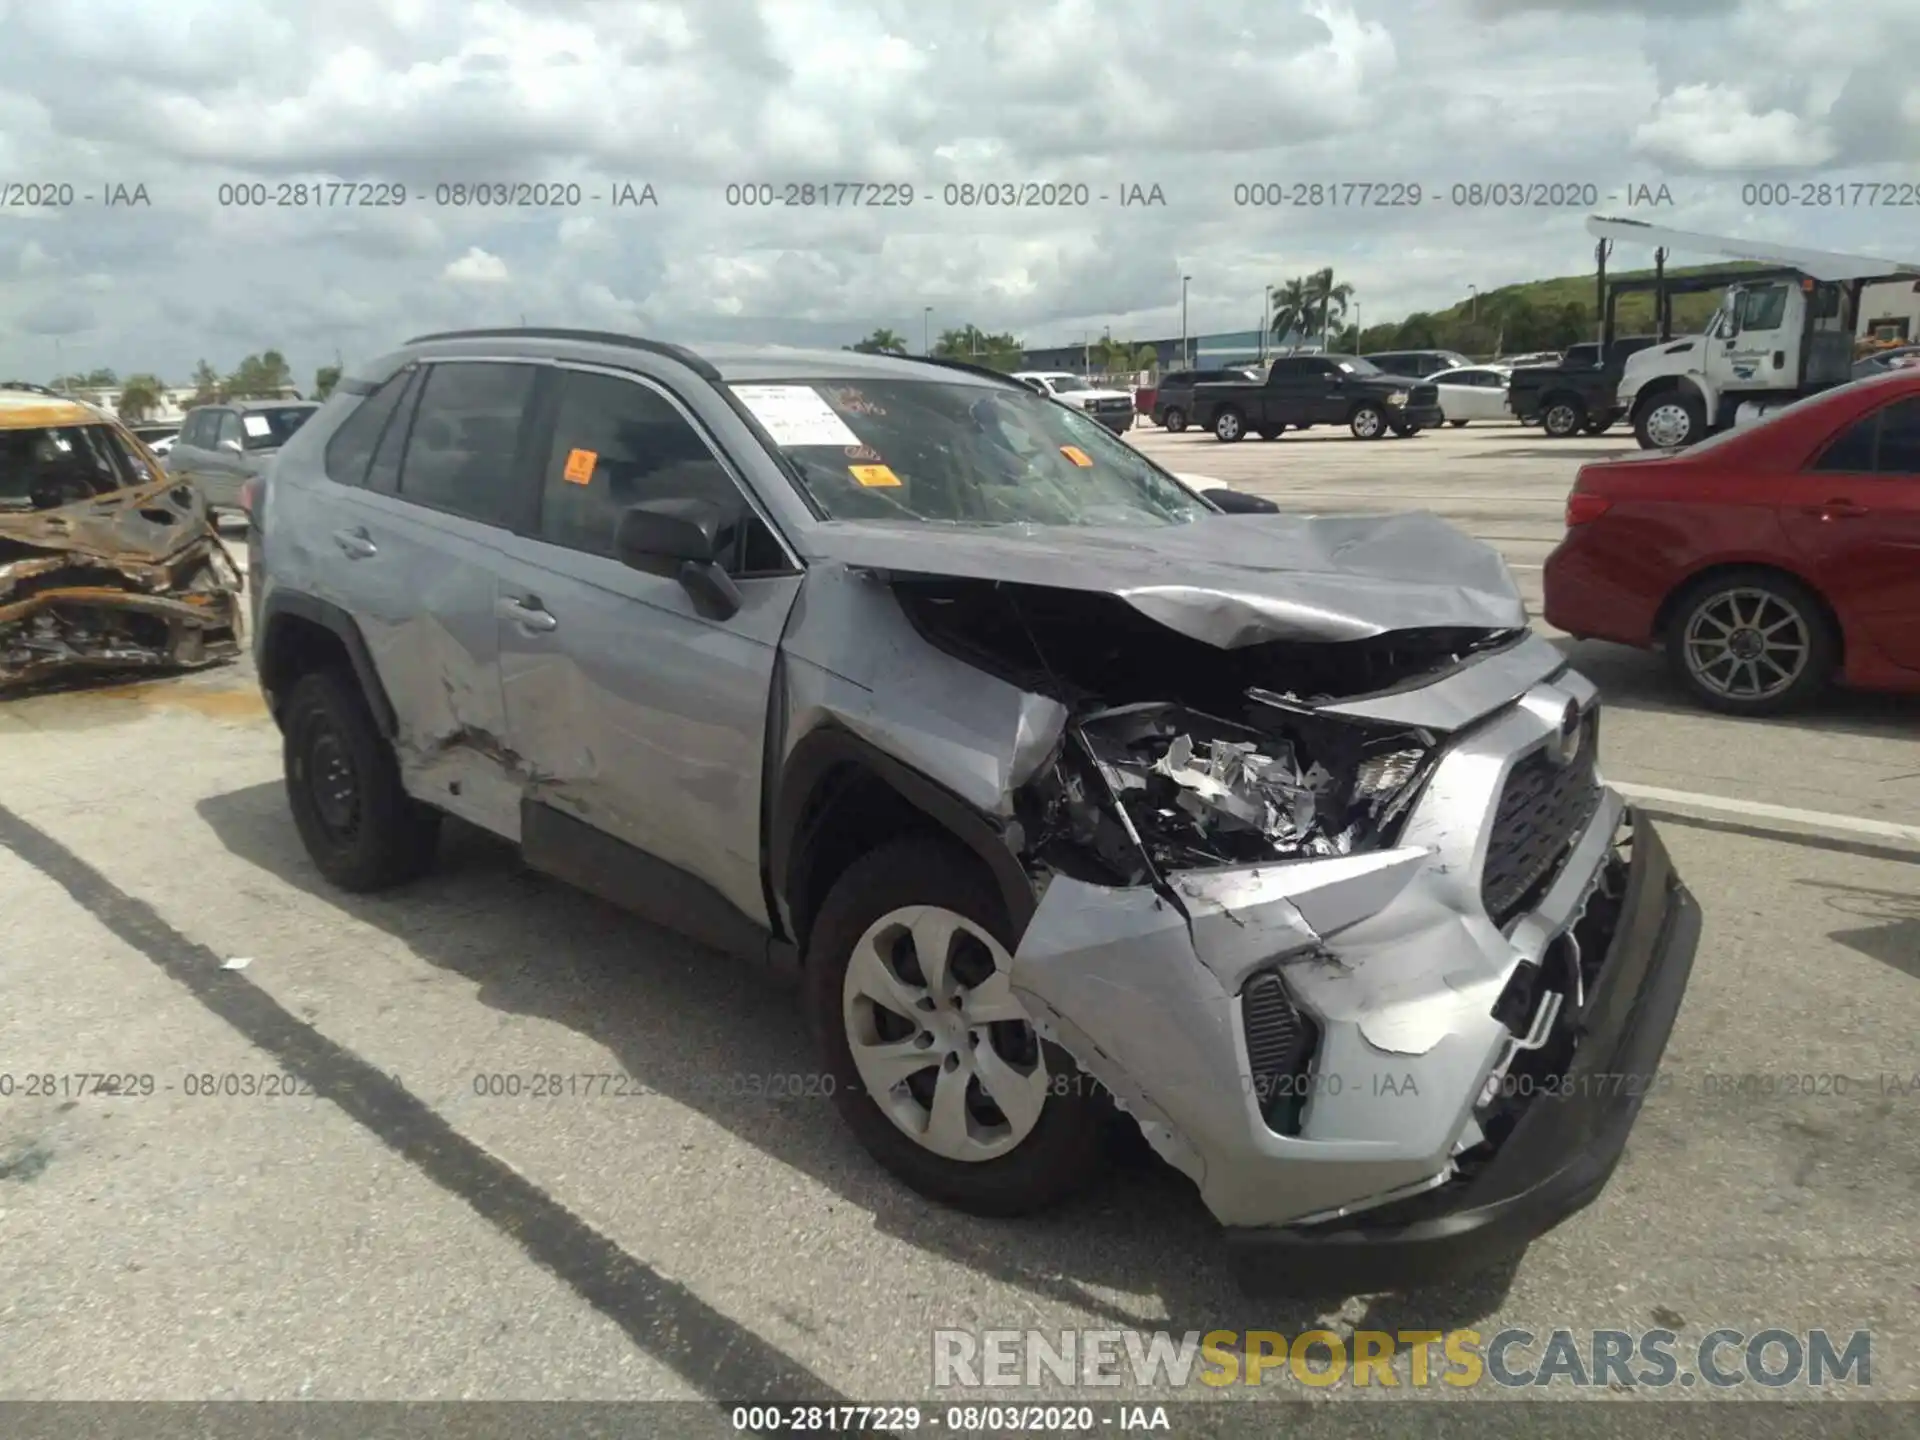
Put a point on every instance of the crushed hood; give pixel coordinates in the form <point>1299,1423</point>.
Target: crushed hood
<point>143,523</point>
<point>1225,580</point>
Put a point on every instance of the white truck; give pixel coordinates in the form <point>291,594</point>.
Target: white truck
<point>1780,334</point>
<point>1112,408</point>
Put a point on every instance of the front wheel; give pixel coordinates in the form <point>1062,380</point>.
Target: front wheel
<point>1458,424</point>
<point>1369,422</point>
<point>936,1065</point>
<point>1406,432</point>
<point>1270,432</point>
<point>1751,642</point>
<point>1599,424</point>
<point>1175,420</point>
<point>1229,425</point>
<point>1670,422</point>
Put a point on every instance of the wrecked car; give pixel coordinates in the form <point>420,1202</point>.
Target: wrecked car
<point>105,564</point>
<point>1068,793</point>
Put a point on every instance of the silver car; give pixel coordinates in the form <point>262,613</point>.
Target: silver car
<point>1068,793</point>
<point>221,447</point>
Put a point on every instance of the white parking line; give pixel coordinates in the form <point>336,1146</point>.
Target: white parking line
<point>1758,810</point>
<point>1512,565</point>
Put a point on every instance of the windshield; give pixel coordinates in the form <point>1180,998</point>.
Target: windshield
<point>1067,384</point>
<point>61,465</point>
<point>1357,366</point>
<point>270,429</point>
<point>935,451</point>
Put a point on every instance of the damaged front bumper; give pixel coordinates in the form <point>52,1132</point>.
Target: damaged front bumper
<point>133,580</point>
<point>1381,1068</point>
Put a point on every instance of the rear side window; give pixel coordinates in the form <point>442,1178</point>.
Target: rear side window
<point>616,444</point>
<point>1900,439</point>
<point>1180,377</point>
<point>460,455</point>
<point>350,451</point>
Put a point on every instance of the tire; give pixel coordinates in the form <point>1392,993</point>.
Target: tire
<point>362,829</point>
<point>1458,424</point>
<point>1774,602</point>
<point>1598,424</point>
<point>1270,432</point>
<point>1659,424</point>
<point>1368,422</point>
<point>1174,421</point>
<point>1563,419</point>
<point>1061,1149</point>
<point>1406,432</point>
<point>1229,426</point>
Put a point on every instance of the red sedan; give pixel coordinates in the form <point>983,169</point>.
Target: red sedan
<point>1768,561</point>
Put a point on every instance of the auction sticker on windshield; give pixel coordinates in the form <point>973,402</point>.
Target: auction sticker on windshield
<point>795,416</point>
<point>256,424</point>
<point>1077,456</point>
<point>874,475</point>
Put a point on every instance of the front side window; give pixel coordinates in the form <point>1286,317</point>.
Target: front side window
<point>939,452</point>
<point>350,449</point>
<point>64,464</point>
<point>1763,307</point>
<point>1900,439</point>
<point>616,444</point>
<point>460,453</point>
<point>1067,384</point>
<point>227,436</point>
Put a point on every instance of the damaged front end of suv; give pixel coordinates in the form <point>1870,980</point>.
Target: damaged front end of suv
<point>1329,893</point>
<point>105,565</point>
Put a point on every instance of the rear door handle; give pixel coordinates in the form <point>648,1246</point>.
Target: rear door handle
<point>356,544</point>
<point>1837,510</point>
<point>526,612</point>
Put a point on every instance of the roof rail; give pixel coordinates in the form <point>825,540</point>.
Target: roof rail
<point>29,387</point>
<point>965,365</point>
<point>703,368</point>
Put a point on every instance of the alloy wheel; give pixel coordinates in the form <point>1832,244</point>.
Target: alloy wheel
<point>1746,644</point>
<point>938,1039</point>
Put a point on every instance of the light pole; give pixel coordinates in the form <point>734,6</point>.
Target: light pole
<point>1266,317</point>
<point>1356,327</point>
<point>926,331</point>
<point>1473,304</point>
<point>1185,364</point>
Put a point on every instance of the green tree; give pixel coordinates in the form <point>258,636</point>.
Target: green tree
<point>324,379</point>
<point>1327,300</point>
<point>1123,357</point>
<point>260,377</point>
<point>141,397</point>
<point>1419,331</point>
<point>207,386</point>
<point>1292,308</point>
<point>977,347</point>
<point>880,342</point>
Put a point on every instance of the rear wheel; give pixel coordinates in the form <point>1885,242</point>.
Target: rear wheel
<point>1751,642</point>
<point>1368,422</point>
<point>1406,432</point>
<point>1229,425</point>
<point>357,821</point>
<point>1670,422</point>
<point>1270,432</point>
<point>936,1065</point>
<point>1599,424</point>
<point>1458,424</point>
<point>1563,418</point>
<point>1175,420</point>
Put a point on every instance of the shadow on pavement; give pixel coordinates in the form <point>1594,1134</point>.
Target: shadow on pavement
<point>672,1014</point>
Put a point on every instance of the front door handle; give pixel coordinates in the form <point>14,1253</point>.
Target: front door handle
<point>356,544</point>
<point>1837,510</point>
<point>526,612</point>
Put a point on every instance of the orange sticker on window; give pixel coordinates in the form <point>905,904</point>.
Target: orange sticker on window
<point>1078,456</point>
<point>580,466</point>
<point>873,475</point>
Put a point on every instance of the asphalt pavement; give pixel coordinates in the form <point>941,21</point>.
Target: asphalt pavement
<point>312,1185</point>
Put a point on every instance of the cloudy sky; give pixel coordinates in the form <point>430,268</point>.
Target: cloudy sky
<point>200,102</point>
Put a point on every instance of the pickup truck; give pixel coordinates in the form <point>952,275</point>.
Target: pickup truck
<point>1304,390</point>
<point>1580,394</point>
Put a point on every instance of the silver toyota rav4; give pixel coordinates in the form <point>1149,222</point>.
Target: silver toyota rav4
<point>1064,785</point>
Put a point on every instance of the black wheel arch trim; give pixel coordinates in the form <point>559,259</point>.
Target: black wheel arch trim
<point>335,620</point>
<point>830,747</point>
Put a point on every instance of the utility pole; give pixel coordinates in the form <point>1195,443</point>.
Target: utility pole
<point>1356,327</point>
<point>926,331</point>
<point>1473,304</point>
<point>1266,312</point>
<point>1185,363</point>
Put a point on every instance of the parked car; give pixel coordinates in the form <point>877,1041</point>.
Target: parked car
<point>221,447</point>
<point>1878,363</point>
<point>1473,392</point>
<point>1580,395</point>
<point>105,565</point>
<point>1417,363</point>
<point>1303,390</point>
<point>1054,783</point>
<point>157,438</point>
<point>1112,408</point>
<point>1766,561</point>
<point>1173,403</point>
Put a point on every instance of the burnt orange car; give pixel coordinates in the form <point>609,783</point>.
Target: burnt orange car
<point>105,563</point>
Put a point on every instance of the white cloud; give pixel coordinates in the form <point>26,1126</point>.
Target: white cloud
<point>1714,127</point>
<point>477,267</point>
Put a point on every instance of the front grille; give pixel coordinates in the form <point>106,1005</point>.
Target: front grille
<point>1280,1045</point>
<point>1542,812</point>
<point>1117,404</point>
<point>1424,395</point>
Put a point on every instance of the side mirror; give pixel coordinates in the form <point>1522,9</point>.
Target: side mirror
<point>231,445</point>
<point>683,540</point>
<point>1240,502</point>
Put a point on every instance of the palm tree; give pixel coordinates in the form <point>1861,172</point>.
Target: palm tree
<point>1292,308</point>
<point>880,342</point>
<point>1326,300</point>
<point>1123,357</point>
<point>141,396</point>
<point>206,385</point>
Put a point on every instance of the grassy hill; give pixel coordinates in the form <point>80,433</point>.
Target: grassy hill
<point>1634,312</point>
